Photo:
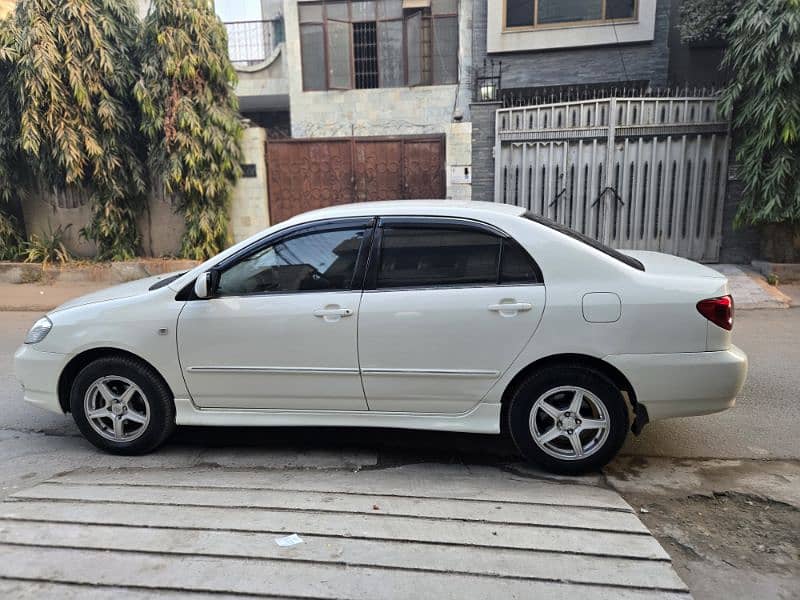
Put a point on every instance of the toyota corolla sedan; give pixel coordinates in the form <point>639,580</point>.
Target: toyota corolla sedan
<point>472,317</point>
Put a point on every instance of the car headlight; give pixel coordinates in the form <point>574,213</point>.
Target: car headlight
<point>39,331</point>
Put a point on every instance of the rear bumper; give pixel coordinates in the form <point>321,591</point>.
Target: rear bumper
<point>38,372</point>
<point>684,385</point>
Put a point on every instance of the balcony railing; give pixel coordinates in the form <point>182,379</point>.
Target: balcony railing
<point>252,42</point>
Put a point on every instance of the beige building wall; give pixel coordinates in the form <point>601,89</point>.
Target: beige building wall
<point>250,203</point>
<point>161,228</point>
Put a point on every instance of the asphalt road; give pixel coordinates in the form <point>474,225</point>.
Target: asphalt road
<point>763,425</point>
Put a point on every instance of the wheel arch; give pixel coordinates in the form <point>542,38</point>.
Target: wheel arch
<point>581,360</point>
<point>79,361</point>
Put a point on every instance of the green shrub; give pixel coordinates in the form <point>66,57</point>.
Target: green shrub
<point>48,247</point>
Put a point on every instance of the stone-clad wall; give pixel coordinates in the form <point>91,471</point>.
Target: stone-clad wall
<point>483,122</point>
<point>586,65</point>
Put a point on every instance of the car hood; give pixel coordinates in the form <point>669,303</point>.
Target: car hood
<point>124,290</point>
<point>658,263</point>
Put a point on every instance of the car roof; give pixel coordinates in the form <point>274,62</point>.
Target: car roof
<point>455,208</point>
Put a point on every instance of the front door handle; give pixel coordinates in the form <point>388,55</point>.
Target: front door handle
<point>333,312</point>
<point>516,306</point>
<point>509,309</point>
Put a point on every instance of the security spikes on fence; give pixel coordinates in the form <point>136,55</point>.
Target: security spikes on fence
<point>551,95</point>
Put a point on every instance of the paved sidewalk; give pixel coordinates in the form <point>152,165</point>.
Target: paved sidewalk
<point>42,297</point>
<point>419,531</point>
<point>750,290</point>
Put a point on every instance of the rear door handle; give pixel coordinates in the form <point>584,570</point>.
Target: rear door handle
<point>511,307</point>
<point>333,312</point>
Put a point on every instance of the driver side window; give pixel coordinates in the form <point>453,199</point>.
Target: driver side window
<point>317,261</point>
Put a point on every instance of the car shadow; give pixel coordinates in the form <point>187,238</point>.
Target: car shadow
<point>392,446</point>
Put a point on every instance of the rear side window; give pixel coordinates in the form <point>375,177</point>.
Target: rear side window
<point>433,256</point>
<point>517,266</point>
<point>607,250</point>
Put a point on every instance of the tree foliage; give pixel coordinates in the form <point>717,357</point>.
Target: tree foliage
<point>764,99</point>
<point>74,76</point>
<point>706,21</point>
<point>10,235</point>
<point>190,117</point>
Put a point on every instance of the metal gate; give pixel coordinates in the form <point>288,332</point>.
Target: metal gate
<point>639,173</point>
<point>305,174</point>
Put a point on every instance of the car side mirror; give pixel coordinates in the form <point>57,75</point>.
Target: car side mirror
<point>206,285</point>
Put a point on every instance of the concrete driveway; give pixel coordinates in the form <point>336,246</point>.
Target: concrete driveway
<point>418,531</point>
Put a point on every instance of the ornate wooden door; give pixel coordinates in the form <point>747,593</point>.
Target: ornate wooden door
<point>379,170</point>
<point>423,168</point>
<point>305,174</point>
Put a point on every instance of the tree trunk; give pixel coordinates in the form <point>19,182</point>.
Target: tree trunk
<point>780,242</point>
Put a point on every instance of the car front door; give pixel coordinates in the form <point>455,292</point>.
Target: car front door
<point>280,331</point>
<point>447,307</point>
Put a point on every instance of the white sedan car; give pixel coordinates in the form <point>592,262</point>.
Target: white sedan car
<point>471,317</point>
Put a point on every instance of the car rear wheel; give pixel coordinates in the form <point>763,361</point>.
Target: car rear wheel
<point>122,406</point>
<point>568,419</point>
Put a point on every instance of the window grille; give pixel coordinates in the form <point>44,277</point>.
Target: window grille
<point>365,54</point>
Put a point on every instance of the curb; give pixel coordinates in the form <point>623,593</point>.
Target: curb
<point>100,273</point>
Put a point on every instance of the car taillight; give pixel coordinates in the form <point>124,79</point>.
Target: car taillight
<point>718,310</point>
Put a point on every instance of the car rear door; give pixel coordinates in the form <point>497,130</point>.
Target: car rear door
<point>448,304</point>
<point>280,332</point>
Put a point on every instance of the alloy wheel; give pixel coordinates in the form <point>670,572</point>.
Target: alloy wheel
<point>569,423</point>
<point>117,408</point>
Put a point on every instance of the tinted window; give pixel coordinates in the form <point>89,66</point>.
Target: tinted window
<point>624,258</point>
<point>517,266</point>
<point>437,256</point>
<point>319,261</point>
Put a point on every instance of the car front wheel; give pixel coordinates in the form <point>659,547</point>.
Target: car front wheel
<point>568,419</point>
<point>122,406</point>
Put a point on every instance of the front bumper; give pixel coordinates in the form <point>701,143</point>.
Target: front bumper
<point>38,372</point>
<point>685,384</point>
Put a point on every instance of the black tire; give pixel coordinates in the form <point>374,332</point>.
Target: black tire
<point>601,390</point>
<point>153,399</point>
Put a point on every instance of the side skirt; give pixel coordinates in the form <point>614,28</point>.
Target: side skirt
<point>484,418</point>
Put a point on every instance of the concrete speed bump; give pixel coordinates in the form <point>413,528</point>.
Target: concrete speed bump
<point>424,531</point>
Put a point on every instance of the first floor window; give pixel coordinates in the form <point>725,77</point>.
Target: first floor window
<point>531,13</point>
<point>359,44</point>
<point>365,54</point>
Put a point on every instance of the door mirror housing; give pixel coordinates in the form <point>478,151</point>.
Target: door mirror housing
<point>205,286</point>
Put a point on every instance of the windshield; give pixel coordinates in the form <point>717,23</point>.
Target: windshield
<point>616,254</point>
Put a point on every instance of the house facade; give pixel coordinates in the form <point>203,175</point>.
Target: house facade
<point>355,100</point>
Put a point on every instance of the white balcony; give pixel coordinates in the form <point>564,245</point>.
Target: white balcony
<point>256,49</point>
